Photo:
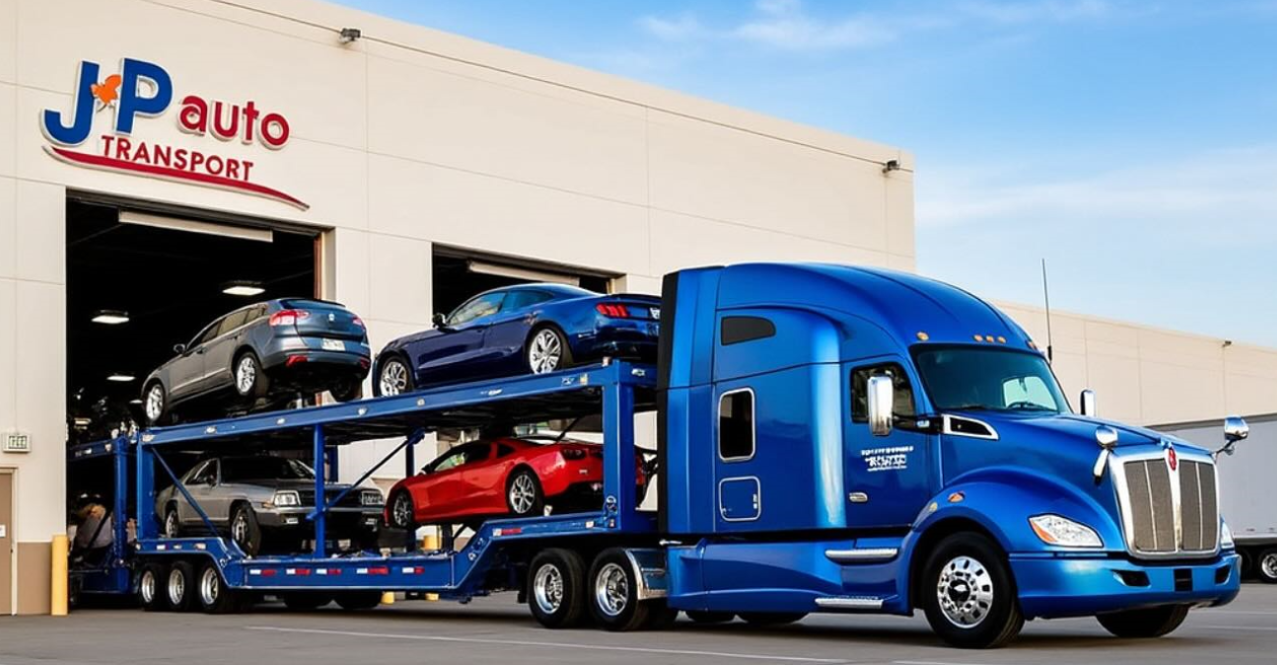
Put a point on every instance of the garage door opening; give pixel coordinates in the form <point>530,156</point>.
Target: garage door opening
<point>139,282</point>
<point>460,274</point>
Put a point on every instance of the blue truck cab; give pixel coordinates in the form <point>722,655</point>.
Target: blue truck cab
<point>845,439</point>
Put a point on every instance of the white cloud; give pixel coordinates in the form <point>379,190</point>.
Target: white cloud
<point>672,29</point>
<point>1047,11</point>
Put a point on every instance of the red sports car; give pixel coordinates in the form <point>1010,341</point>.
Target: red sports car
<point>507,476</point>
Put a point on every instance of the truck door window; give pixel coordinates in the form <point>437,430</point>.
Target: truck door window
<point>738,329</point>
<point>736,425</point>
<point>903,402</point>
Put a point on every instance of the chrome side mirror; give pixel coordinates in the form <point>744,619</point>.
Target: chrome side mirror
<point>1235,429</point>
<point>1106,439</point>
<point>880,402</point>
<point>1088,403</point>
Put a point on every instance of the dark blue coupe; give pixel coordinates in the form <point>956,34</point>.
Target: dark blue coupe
<point>530,328</point>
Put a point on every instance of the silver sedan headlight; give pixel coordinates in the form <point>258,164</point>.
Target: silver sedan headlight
<point>286,499</point>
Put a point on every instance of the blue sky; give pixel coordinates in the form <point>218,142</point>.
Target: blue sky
<point>1131,144</point>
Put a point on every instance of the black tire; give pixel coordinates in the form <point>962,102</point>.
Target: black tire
<point>612,593</point>
<point>970,561</point>
<point>347,391</point>
<point>401,514</point>
<point>260,384</point>
<point>709,616</point>
<point>152,587</point>
<point>534,345</point>
<point>212,594</point>
<point>393,380</point>
<point>1146,623</point>
<point>1245,564</point>
<point>155,414</point>
<point>358,601</point>
<point>1266,566</point>
<point>302,601</point>
<point>180,589</point>
<point>772,618</point>
<point>247,536</point>
<point>556,588</point>
<point>172,525</point>
<point>523,494</point>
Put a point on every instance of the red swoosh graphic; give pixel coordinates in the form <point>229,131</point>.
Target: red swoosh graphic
<point>112,164</point>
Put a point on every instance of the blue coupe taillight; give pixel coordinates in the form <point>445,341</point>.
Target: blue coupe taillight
<point>613,310</point>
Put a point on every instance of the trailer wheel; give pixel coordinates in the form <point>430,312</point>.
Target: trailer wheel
<point>1145,623</point>
<point>306,602</point>
<point>358,600</point>
<point>181,586</point>
<point>213,594</point>
<point>556,588</point>
<point>772,618</point>
<point>152,591</point>
<point>613,593</point>
<point>709,616</point>
<point>1266,566</point>
<point>968,593</point>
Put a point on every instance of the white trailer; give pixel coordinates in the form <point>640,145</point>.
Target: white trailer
<point>1247,488</point>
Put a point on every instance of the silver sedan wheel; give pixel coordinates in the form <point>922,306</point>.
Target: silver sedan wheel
<point>523,493</point>
<point>545,352</point>
<point>394,378</point>
<point>245,375</point>
<point>612,590</point>
<point>171,527</point>
<point>155,402</point>
<point>210,587</point>
<point>547,588</point>
<point>239,528</point>
<point>965,591</point>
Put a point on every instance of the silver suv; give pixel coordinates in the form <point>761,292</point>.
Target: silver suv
<point>262,499</point>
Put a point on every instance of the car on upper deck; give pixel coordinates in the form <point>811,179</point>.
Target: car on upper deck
<point>529,328</point>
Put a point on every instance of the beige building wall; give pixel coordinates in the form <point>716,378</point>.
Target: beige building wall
<point>406,138</point>
<point>1149,376</point>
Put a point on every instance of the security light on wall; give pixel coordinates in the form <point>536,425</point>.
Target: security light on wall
<point>110,317</point>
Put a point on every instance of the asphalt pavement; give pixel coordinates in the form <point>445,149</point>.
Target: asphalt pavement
<point>497,630</point>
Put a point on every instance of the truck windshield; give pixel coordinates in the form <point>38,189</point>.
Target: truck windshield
<point>959,378</point>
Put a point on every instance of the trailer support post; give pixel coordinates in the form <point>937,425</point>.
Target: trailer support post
<point>322,517</point>
<point>410,467</point>
<point>621,473</point>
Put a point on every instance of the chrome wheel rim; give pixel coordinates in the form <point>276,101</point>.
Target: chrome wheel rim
<point>154,402</point>
<point>523,494</point>
<point>170,524</point>
<point>245,374</point>
<point>394,378</point>
<point>146,587</point>
<point>403,511</point>
<point>1268,565</point>
<point>239,529</point>
<point>210,587</point>
<point>176,587</point>
<point>547,588</point>
<point>612,590</point>
<point>545,352</point>
<point>965,591</point>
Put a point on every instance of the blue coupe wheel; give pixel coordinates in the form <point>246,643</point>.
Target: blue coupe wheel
<point>548,351</point>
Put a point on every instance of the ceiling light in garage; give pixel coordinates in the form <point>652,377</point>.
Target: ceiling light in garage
<point>246,289</point>
<point>484,268</point>
<point>120,378</point>
<point>110,317</point>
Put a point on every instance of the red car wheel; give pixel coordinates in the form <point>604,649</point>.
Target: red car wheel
<point>402,512</point>
<point>524,496</point>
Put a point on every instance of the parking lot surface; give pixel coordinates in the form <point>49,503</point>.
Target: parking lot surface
<point>497,630</point>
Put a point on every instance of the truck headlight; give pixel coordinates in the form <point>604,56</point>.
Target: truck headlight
<point>1226,536</point>
<point>1062,531</point>
<point>286,498</point>
<point>371,498</point>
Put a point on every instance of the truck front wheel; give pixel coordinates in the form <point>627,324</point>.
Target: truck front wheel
<point>1151,622</point>
<point>968,593</point>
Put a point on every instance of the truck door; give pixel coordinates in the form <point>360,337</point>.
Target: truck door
<point>887,478</point>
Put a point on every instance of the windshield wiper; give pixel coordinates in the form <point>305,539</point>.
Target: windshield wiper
<point>969,407</point>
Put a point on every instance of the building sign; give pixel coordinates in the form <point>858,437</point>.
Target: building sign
<point>142,91</point>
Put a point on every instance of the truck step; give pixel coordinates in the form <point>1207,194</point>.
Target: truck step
<point>862,555</point>
<point>851,603</point>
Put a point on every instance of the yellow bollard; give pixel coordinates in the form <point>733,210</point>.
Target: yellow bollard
<point>430,543</point>
<point>58,599</point>
<point>388,598</point>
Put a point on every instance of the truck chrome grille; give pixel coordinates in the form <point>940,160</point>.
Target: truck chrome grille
<point>1169,512</point>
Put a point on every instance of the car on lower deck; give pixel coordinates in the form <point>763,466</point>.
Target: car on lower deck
<point>518,477</point>
<point>263,501</point>
<point>525,329</point>
<point>264,353</point>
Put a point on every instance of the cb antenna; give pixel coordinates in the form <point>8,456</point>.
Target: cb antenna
<point>1046,295</point>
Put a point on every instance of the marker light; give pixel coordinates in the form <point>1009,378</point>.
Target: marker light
<point>1056,530</point>
<point>1226,536</point>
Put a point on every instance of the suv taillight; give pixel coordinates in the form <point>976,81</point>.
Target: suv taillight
<point>358,321</point>
<point>288,317</point>
<point>613,310</point>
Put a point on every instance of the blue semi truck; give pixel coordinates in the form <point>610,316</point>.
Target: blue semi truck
<point>830,439</point>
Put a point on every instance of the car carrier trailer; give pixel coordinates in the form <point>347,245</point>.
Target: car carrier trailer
<point>830,439</point>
